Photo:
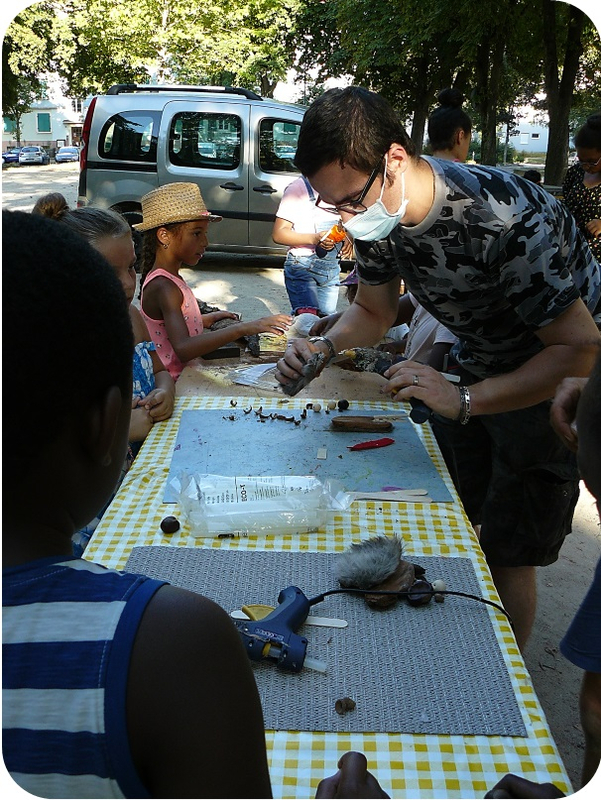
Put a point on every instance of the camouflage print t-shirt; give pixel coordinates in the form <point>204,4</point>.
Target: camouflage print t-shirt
<point>495,259</point>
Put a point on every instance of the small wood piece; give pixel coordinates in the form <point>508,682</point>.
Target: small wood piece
<point>227,351</point>
<point>344,704</point>
<point>361,424</point>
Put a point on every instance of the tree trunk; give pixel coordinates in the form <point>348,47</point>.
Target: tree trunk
<point>267,86</point>
<point>560,92</point>
<point>418,127</point>
<point>422,107</point>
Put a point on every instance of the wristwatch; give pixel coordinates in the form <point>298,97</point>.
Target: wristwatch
<point>330,346</point>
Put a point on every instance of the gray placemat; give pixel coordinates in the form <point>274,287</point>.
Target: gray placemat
<point>247,446</point>
<point>436,669</point>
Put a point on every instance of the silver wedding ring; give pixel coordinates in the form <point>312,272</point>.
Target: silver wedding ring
<point>416,380</point>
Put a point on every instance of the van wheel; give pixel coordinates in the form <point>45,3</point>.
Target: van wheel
<point>133,216</point>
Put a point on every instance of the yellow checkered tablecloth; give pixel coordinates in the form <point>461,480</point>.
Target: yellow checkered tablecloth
<point>407,765</point>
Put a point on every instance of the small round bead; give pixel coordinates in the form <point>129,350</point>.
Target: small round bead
<point>170,525</point>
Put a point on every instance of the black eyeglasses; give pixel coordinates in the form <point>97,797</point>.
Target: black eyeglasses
<point>353,206</point>
<point>589,163</point>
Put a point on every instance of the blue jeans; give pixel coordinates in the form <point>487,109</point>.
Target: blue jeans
<point>312,282</point>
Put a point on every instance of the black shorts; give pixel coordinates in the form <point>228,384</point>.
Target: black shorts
<point>516,479</point>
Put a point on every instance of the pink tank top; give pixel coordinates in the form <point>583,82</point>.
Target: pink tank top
<point>190,313</point>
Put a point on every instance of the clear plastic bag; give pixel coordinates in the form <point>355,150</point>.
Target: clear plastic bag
<point>217,505</point>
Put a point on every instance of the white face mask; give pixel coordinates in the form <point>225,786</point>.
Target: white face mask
<point>377,222</point>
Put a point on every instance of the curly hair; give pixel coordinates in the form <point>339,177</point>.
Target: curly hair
<point>149,249</point>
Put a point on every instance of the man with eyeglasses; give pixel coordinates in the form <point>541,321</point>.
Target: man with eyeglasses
<point>501,264</point>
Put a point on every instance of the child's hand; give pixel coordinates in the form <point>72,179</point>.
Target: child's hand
<point>140,424</point>
<point>215,316</point>
<point>278,324</point>
<point>347,253</point>
<point>158,404</point>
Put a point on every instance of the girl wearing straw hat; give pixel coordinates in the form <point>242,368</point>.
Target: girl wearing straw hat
<point>175,224</point>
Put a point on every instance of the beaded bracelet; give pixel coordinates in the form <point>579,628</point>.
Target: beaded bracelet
<point>465,408</point>
<point>329,345</point>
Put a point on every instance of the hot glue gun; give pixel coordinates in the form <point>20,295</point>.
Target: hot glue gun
<point>273,637</point>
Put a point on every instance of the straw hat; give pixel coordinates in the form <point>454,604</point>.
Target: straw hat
<point>173,202</point>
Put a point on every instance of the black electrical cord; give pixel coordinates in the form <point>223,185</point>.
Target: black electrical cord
<point>321,597</point>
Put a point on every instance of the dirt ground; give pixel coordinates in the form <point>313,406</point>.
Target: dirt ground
<point>242,284</point>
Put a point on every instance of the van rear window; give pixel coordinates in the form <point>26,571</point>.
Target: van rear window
<point>130,136</point>
<point>206,140</point>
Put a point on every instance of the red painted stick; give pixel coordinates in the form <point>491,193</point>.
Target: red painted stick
<point>372,444</point>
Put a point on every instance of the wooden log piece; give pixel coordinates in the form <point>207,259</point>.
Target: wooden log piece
<point>361,424</point>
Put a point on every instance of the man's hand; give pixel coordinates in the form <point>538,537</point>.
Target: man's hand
<point>412,379</point>
<point>298,352</point>
<point>514,786</point>
<point>351,780</point>
<point>563,410</point>
<point>324,324</point>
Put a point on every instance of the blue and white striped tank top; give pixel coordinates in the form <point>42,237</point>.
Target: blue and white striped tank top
<point>67,632</point>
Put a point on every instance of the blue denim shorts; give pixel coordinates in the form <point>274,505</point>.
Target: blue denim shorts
<point>582,643</point>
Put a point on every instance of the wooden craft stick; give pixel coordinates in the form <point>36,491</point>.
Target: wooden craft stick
<point>322,622</point>
<point>400,496</point>
<point>361,424</point>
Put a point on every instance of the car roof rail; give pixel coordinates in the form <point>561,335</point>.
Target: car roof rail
<point>124,88</point>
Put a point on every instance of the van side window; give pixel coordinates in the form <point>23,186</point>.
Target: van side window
<point>130,136</point>
<point>277,145</point>
<point>210,141</point>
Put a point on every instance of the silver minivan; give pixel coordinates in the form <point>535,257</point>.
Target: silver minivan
<point>236,145</point>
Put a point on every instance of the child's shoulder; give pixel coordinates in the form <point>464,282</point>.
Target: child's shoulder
<point>159,283</point>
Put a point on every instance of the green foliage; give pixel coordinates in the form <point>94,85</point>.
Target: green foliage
<point>26,51</point>
<point>408,50</point>
<point>92,44</point>
<point>475,152</point>
<point>24,92</point>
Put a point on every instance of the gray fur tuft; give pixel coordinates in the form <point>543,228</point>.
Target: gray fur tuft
<point>368,563</point>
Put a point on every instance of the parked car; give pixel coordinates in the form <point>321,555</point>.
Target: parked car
<point>285,151</point>
<point>208,149</point>
<point>66,154</point>
<point>33,155</point>
<point>227,140</point>
<point>11,156</point>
